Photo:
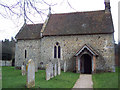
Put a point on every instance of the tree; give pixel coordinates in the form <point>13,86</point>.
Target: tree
<point>8,49</point>
<point>27,8</point>
<point>23,8</point>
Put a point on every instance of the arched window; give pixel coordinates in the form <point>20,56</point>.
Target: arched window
<point>57,50</point>
<point>25,53</point>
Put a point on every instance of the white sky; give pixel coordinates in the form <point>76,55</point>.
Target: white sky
<point>9,28</point>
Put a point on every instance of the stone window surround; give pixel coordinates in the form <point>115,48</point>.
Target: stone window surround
<point>58,54</point>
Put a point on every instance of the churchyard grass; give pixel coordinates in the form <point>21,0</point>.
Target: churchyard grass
<point>12,78</point>
<point>106,80</point>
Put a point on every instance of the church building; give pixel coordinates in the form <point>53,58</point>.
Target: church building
<point>82,40</point>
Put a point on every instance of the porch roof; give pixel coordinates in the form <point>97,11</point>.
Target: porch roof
<point>89,48</point>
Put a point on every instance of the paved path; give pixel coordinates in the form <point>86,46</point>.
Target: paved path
<point>84,81</point>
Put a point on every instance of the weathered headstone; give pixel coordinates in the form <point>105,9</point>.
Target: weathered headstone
<point>23,70</point>
<point>36,67</point>
<point>59,68</point>
<point>47,72</point>
<point>113,68</point>
<point>51,70</point>
<point>65,66</point>
<point>55,70</point>
<point>30,74</point>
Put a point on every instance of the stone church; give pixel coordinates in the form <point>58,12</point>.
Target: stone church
<point>82,40</point>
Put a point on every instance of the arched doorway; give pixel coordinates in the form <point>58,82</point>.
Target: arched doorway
<point>86,64</point>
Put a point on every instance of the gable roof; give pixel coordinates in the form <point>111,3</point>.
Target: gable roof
<point>78,23</point>
<point>29,31</point>
<point>89,48</point>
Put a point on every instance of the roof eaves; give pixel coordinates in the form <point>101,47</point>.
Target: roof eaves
<point>88,48</point>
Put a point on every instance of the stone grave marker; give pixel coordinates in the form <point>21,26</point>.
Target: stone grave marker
<point>55,70</point>
<point>59,68</point>
<point>30,74</point>
<point>113,68</point>
<point>65,66</point>
<point>47,72</point>
<point>51,70</point>
<point>23,70</point>
<point>36,67</point>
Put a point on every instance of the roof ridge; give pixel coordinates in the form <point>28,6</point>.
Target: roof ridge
<point>78,12</point>
<point>35,24</point>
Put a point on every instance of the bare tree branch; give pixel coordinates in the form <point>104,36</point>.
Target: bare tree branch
<point>70,5</point>
<point>32,7</point>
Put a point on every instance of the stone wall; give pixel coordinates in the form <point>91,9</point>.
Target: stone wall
<point>5,63</point>
<point>103,44</point>
<point>42,51</point>
<point>33,52</point>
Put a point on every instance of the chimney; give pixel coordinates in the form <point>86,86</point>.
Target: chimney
<point>107,6</point>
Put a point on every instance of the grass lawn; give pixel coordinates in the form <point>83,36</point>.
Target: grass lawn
<point>106,80</point>
<point>12,78</point>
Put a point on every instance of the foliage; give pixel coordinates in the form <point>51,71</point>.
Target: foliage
<point>8,49</point>
<point>13,79</point>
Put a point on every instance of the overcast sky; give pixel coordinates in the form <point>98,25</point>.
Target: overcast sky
<point>9,28</point>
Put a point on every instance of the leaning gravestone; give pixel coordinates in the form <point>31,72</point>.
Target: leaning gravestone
<point>23,70</point>
<point>30,74</point>
<point>59,68</point>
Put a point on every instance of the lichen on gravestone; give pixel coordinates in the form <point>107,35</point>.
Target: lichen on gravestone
<point>30,74</point>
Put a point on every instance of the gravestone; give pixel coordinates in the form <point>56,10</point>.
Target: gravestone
<point>51,70</point>
<point>47,72</point>
<point>36,67</point>
<point>59,68</point>
<point>30,74</point>
<point>55,70</point>
<point>65,66</point>
<point>23,70</point>
<point>113,68</point>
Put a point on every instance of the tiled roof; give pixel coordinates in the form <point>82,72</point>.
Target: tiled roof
<point>78,23</point>
<point>29,31</point>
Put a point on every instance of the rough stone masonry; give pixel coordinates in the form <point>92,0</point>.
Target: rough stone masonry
<point>61,36</point>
